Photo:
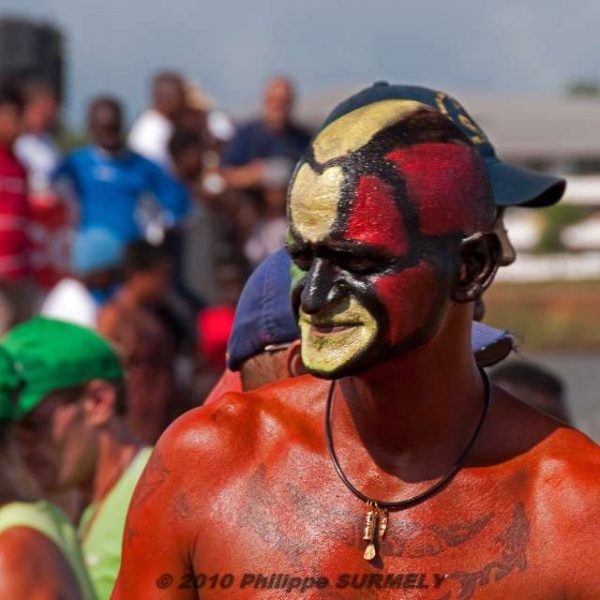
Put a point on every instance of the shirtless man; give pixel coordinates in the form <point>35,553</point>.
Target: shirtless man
<point>401,474</point>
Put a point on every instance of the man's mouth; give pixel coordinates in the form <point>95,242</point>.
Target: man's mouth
<point>327,328</point>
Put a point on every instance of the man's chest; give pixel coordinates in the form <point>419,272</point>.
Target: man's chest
<point>122,180</point>
<point>308,539</point>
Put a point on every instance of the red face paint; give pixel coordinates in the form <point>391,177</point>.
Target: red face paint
<point>446,184</point>
<point>411,299</point>
<point>374,217</point>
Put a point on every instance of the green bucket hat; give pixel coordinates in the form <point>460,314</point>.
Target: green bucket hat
<point>44,355</point>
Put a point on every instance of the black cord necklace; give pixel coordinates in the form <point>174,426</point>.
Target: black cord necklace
<point>377,513</point>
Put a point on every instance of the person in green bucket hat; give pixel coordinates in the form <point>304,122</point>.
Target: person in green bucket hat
<point>39,553</point>
<point>68,399</point>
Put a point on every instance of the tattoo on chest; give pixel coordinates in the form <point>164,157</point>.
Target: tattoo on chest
<point>262,513</point>
<point>413,540</point>
<point>333,520</point>
<point>513,556</point>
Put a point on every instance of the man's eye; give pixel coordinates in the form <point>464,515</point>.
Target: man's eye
<point>363,264</point>
<point>358,264</point>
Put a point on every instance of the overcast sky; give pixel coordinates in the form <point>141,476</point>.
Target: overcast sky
<point>231,46</point>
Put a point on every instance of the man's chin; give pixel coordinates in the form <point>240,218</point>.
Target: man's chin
<point>361,364</point>
<point>337,354</point>
<point>336,370</point>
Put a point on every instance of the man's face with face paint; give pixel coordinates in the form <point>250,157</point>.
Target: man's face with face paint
<point>375,227</point>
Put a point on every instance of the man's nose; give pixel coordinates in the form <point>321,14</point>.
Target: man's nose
<point>324,286</point>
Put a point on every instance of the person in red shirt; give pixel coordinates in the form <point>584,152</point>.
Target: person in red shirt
<point>15,294</point>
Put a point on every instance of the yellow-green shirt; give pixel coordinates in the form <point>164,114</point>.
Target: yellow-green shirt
<point>48,520</point>
<point>101,528</point>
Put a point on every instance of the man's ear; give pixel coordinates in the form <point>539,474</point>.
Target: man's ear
<point>479,261</point>
<point>293,360</point>
<point>100,401</point>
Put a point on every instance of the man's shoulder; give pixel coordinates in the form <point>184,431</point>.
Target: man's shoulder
<point>254,130</point>
<point>138,161</point>
<point>253,420</point>
<point>38,516</point>
<point>79,157</point>
<point>570,459</point>
<point>564,495</point>
<point>555,457</point>
<point>250,126</point>
<point>561,471</point>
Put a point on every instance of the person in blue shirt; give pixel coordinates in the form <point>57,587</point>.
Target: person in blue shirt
<point>258,164</point>
<point>115,188</point>
<point>267,149</point>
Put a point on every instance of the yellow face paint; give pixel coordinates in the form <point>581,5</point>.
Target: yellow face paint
<point>314,198</point>
<point>356,129</point>
<point>314,201</point>
<point>335,336</point>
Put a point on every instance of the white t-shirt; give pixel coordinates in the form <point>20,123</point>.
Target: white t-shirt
<point>41,156</point>
<point>69,300</point>
<point>150,137</point>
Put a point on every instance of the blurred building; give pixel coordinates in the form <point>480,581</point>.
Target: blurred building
<point>32,50</point>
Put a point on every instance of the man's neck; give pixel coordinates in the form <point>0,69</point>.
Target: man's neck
<point>278,128</point>
<point>413,415</point>
<point>117,449</point>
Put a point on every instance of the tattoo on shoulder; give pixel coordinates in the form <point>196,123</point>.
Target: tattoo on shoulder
<point>152,479</point>
<point>130,534</point>
<point>182,507</point>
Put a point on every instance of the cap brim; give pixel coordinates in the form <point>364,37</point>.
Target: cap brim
<point>518,186</point>
<point>490,345</point>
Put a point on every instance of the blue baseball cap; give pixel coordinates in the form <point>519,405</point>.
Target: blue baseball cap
<point>264,315</point>
<point>264,318</point>
<point>511,185</point>
<point>490,345</point>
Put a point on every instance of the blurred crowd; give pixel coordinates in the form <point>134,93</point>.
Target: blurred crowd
<point>146,235</point>
<point>122,263</point>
